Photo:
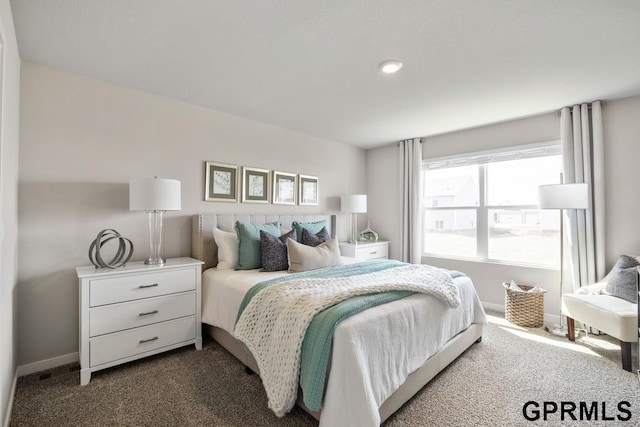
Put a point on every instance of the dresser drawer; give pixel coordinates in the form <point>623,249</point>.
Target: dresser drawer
<point>372,251</point>
<point>127,315</point>
<point>112,347</point>
<point>136,286</point>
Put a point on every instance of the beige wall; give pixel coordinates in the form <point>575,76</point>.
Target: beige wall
<point>10,95</point>
<point>621,123</point>
<point>82,140</point>
<point>383,195</point>
<point>622,149</point>
<point>545,127</point>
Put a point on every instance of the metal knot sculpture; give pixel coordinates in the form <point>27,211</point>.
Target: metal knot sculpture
<point>122,256</point>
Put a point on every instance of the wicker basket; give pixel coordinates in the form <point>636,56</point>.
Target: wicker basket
<point>524,309</point>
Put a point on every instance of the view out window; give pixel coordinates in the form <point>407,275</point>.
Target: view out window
<point>484,207</point>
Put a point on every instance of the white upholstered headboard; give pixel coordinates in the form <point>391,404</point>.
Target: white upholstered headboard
<point>203,246</point>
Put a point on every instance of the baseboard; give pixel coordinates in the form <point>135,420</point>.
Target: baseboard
<point>552,319</point>
<point>492,306</point>
<point>12,393</point>
<point>46,364</point>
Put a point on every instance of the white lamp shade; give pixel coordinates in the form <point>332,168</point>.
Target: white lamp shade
<point>563,196</point>
<point>356,203</point>
<point>154,194</point>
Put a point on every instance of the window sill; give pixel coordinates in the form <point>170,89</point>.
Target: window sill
<point>488,261</point>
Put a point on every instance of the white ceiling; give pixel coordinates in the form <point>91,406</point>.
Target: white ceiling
<point>312,66</point>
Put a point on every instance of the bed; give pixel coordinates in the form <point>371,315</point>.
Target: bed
<point>375,367</point>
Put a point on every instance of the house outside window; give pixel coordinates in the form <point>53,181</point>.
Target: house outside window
<point>483,206</point>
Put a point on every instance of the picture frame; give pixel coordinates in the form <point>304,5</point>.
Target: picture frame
<point>285,188</point>
<point>221,182</point>
<point>308,190</point>
<point>256,185</point>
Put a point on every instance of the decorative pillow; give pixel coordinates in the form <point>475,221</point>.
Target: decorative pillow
<point>249,256</point>
<point>285,230</point>
<point>314,239</point>
<point>304,258</point>
<point>227,242</point>
<point>274,250</point>
<point>623,279</point>
<point>313,227</point>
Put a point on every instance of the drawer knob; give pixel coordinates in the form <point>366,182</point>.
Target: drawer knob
<point>149,340</point>
<point>147,286</point>
<point>373,253</point>
<point>148,313</point>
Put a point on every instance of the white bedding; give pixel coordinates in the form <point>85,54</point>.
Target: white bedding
<point>373,351</point>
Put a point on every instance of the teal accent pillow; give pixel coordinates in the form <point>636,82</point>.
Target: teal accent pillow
<point>249,254</point>
<point>313,227</point>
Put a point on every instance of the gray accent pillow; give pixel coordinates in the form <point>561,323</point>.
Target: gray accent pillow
<point>305,258</point>
<point>310,239</point>
<point>623,279</point>
<point>274,250</point>
<point>313,227</point>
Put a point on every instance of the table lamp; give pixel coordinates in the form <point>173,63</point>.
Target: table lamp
<point>155,196</point>
<point>354,204</point>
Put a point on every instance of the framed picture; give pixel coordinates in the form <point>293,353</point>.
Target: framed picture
<point>221,182</point>
<point>284,188</point>
<point>256,186</point>
<point>308,186</point>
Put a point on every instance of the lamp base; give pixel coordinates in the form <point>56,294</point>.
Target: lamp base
<point>353,224</point>
<point>156,238</point>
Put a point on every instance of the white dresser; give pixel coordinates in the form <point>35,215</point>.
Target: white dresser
<point>365,250</point>
<point>136,311</point>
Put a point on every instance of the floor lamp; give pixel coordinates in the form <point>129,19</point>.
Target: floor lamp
<point>562,196</point>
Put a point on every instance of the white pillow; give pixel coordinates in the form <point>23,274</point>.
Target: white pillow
<point>304,258</point>
<point>227,249</point>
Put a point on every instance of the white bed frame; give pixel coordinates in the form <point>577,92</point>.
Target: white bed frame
<point>204,248</point>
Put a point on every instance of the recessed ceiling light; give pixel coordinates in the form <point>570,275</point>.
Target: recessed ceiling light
<point>390,66</point>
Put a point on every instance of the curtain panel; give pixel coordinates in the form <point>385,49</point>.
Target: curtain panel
<point>410,157</point>
<point>582,141</point>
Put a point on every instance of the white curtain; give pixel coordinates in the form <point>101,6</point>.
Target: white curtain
<point>410,156</point>
<point>582,142</point>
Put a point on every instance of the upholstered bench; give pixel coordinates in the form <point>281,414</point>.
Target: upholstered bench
<point>614,316</point>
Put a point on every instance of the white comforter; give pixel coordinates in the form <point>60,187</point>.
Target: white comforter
<point>373,351</point>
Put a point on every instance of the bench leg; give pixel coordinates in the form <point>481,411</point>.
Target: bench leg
<point>571,329</point>
<point>625,350</point>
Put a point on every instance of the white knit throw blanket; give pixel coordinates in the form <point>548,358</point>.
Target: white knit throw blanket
<point>274,323</point>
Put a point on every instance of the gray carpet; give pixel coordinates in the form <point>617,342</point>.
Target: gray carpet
<point>487,386</point>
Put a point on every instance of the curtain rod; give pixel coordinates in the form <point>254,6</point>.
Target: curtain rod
<point>589,106</point>
<point>398,143</point>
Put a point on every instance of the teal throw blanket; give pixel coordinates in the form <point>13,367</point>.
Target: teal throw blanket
<point>316,346</point>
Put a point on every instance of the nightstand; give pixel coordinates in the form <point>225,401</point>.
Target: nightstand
<point>136,311</point>
<point>365,250</point>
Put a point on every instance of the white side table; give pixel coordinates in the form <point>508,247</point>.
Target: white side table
<point>365,250</point>
<point>136,311</point>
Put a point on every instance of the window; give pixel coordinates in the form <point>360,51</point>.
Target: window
<point>484,206</point>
